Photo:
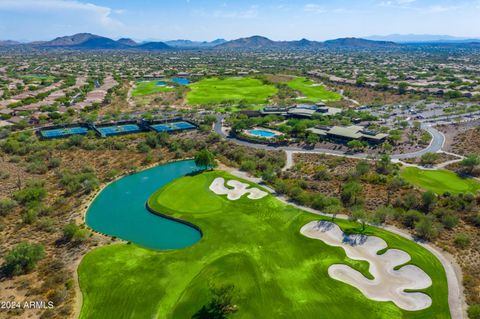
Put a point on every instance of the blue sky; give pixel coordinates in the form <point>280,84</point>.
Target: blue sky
<point>210,19</point>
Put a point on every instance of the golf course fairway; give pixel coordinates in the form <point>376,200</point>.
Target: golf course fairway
<point>150,87</point>
<point>313,92</point>
<point>440,181</point>
<point>253,244</point>
<point>230,90</point>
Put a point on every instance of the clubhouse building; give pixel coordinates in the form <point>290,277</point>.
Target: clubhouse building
<point>349,133</point>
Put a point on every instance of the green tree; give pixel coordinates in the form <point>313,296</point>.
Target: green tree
<point>470,162</point>
<point>402,88</point>
<point>312,139</point>
<point>361,216</point>
<point>23,258</point>
<point>355,145</point>
<point>426,228</point>
<point>474,311</point>
<point>362,168</point>
<point>205,159</point>
<point>72,232</point>
<point>350,193</point>
<point>221,304</point>
<point>429,199</point>
<point>384,165</point>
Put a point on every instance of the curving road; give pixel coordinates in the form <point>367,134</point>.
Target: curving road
<point>438,140</point>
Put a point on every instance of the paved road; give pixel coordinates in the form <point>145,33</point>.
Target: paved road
<point>438,139</point>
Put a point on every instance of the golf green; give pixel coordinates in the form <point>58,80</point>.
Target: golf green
<point>440,181</point>
<point>229,90</point>
<point>255,245</point>
<point>313,92</point>
<point>150,87</point>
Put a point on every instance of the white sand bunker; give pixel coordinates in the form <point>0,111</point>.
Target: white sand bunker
<point>237,191</point>
<point>389,284</point>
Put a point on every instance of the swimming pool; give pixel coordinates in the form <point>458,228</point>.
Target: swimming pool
<point>262,133</point>
<point>161,83</point>
<point>181,81</point>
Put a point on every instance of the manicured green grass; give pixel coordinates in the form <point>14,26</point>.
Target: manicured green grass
<point>313,93</point>
<point>233,89</point>
<point>150,87</point>
<point>253,244</point>
<point>440,181</point>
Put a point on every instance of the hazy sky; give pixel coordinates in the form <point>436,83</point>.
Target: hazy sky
<point>210,19</point>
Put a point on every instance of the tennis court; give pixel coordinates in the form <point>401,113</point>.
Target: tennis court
<point>170,127</point>
<point>64,132</point>
<point>119,129</point>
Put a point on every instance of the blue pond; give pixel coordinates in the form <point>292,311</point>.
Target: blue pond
<point>161,83</point>
<point>181,81</point>
<point>62,132</point>
<point>262,133</point>
<point>119,210</point>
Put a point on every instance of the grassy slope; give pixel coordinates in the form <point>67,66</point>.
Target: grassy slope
<point>440,181</point>
<point>313,94</point>
<point>256,245</point>
<point>148,88</point>
<point>217,91</point>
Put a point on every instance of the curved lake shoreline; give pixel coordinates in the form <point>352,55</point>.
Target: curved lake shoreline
<point>120,210</point>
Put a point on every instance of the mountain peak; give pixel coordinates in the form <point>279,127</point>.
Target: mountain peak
<point>127,41</point>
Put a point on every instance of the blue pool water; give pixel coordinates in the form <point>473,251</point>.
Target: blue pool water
<point>161,83</point>
<point>262,133</point>
<point>119,210</point>
<point>61,132</point>
<point>181,81</point>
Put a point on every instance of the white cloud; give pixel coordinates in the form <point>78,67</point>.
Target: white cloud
<point>313,8</point>
<point>94,13</point>
<point>405,4</point>
<point>250,13</point>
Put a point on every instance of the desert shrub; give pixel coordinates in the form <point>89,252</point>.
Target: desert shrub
<point>74,233</point>
<point>84,180</point>
<point>411,217</point>
<point>37,167</point>
<point>425,228</point>
<point>462,240</point>
<point>33,192</point>
<point>449,220</point>
<point>474,311</point>
<point>6,206</point>
<point>22,258</point>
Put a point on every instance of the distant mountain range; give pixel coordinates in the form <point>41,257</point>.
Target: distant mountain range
<point>259,42</point>
<point>188,44</point>
<point>8,42</point>
<point>421,38</point>
<point>88,41</point>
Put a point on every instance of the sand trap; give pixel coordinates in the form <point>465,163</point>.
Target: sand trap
<point>389,284</point>
<point>237,191</point>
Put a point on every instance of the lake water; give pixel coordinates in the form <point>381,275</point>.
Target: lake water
<point>119,210</point>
